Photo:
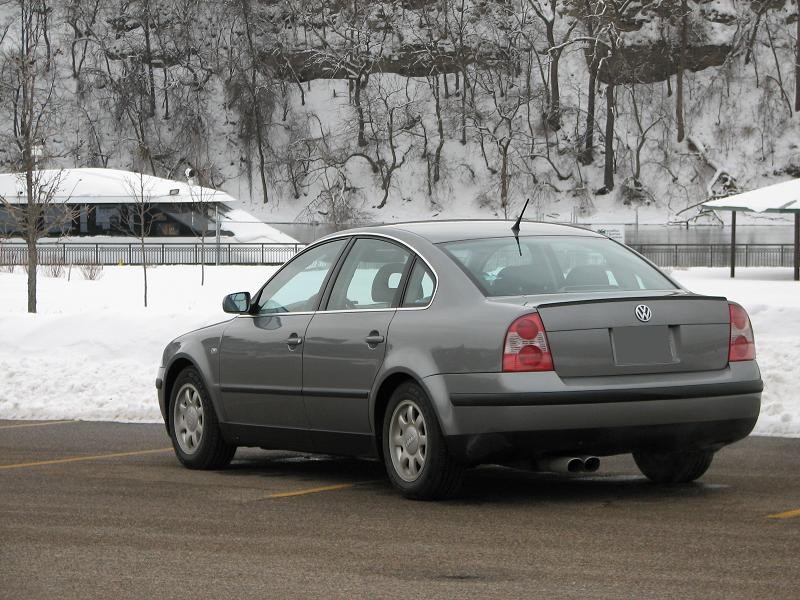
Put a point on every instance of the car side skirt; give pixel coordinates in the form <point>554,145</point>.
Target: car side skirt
<point>300,440</point>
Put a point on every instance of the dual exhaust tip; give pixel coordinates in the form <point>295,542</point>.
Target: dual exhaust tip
<point>568,464</point>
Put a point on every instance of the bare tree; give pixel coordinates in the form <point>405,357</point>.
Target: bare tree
<point>137,217</point>
<point>249,84</point>
<point>548,13</point>
<point>202,199</point>
<point>28,80</point>
<point>684,33</point>
<point>797,62</point>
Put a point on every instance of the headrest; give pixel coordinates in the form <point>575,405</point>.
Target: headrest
<point>381,290</point>
<point>587,275</point>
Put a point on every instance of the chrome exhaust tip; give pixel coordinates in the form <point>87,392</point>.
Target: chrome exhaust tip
<point>560,464</point>
<point>590,463</point>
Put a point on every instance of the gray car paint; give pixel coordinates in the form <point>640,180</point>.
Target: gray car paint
<point>260,374</point>
<point>456,344</point>
<point>339,368</point>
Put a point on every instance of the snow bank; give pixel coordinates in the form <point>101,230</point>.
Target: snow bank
<point>93,350</point>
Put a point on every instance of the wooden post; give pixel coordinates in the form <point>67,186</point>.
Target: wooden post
<point>797,246</point>
<point>733,244</point>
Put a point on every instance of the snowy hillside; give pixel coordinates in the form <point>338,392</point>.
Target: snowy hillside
<point>380,111</point>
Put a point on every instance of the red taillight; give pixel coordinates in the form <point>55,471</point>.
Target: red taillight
<point>742,345</point>
<point>526,348</point>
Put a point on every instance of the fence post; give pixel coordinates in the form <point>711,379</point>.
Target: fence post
<point>162,254</point>
<point>711,255</point>
<point>97,254</point>
<point>747,255</point>
<point>262,253</point>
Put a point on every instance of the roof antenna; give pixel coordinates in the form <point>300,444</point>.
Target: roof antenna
<point>515,227</point>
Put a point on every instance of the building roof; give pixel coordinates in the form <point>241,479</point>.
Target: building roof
<point>778,198</point>
<point>107,186</point>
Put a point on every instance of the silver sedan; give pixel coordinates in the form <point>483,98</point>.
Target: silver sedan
<point>435,346</point>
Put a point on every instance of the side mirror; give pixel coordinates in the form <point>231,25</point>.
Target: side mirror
<point>238,303</point>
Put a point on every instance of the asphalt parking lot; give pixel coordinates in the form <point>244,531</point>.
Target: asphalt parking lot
<point>102,510</point>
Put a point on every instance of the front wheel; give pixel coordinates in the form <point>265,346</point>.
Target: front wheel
<point>674,467</point>
<point>414,450</point>
<point>194,428</point>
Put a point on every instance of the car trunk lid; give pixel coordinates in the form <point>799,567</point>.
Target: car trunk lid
<point>633,333</point>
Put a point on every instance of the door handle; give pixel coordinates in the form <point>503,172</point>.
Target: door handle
<point>374,338</point>
<point>294,341</point>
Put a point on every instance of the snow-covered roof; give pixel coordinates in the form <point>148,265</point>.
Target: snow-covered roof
<point>107,186</point>
<point>781,197</point>
<point>113,186</point>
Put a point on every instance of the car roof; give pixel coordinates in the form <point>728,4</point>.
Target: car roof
<point>467,229</point>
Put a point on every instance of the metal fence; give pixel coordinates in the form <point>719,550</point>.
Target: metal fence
<point>664,255</point>
<point>154,254</point>
<point>717,255</point>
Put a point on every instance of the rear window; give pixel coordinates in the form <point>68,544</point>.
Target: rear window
<point>553,265</point>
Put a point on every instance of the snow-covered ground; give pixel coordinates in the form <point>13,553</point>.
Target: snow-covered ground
<point>92,351</point>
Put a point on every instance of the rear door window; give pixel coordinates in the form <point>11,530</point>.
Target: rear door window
<point>420,288</point>
<point>370,276</point>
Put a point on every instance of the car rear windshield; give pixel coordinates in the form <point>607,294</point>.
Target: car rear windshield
<point>552,265</point>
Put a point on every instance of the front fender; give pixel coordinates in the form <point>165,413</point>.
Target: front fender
<point>199,349</point>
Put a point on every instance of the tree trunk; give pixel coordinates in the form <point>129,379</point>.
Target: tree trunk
<point>360,111</point>
<point>679,74</point>
<point>440,129</point>
<point>144,271</point>
<point>149,60</point>
<point>256,101</point>
<point>31,226</point>
<point>261,160</point>
<point>608,174</point>
<point>554,114</point>
<point>33,265</point>
<point>554,110</point>
<point>504,177</point>
<point>464,107</point>
<point>588,153</point>
<point>797,64</point>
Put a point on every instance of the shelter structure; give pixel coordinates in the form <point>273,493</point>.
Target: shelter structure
<point>778,198</point>
<point>102,200</point>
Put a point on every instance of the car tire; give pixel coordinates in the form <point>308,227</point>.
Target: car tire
<point>674,467</point>
<point>193,425</point>
<point>414,449</point>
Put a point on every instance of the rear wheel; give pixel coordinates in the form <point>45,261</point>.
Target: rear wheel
<point>674,467</point>
<point>414,450</point>
<point>194,427</point>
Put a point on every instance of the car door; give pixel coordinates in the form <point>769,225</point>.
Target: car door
<point>346,343</point>
<point>261,352</point>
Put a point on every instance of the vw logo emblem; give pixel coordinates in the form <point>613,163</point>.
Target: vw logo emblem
<point>643,313</point>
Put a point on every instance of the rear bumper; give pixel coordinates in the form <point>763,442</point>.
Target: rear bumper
<point>493,415</point>
<point>604,441</point>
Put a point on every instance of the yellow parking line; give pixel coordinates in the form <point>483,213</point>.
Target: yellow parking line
<point>58,461</point>
<point>789,514</point>
<point>39,424</point>
<point>314,490</point>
